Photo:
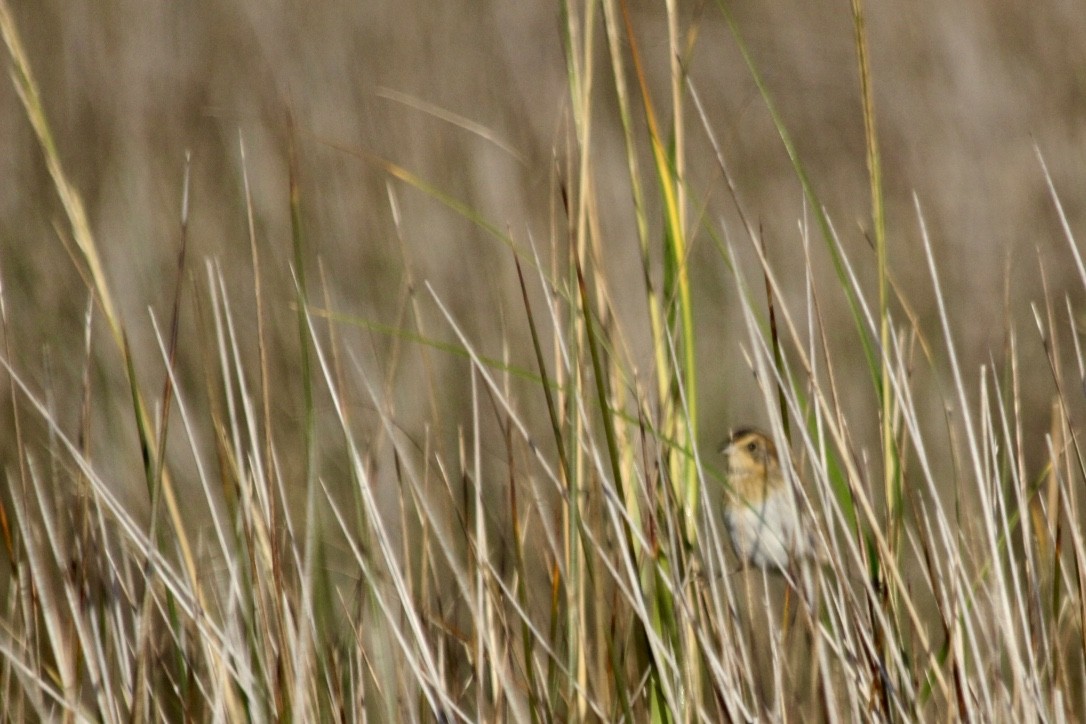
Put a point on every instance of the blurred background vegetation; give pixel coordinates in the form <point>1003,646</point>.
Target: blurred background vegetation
<point>963,93</point>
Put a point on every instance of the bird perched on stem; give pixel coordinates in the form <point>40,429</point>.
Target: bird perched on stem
<point>760,511</point>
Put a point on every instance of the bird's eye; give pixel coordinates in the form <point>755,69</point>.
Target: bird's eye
<point>752,446</point>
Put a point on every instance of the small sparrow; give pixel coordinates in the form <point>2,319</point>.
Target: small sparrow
<point>760,511</point>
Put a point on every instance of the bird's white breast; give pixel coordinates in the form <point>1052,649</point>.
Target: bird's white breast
<point>768,535</point>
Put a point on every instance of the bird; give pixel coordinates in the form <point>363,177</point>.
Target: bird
<point>760,511</point>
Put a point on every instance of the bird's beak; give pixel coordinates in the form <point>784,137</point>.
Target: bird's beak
<point>726,446</point>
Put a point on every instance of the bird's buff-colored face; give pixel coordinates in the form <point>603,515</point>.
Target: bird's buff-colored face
<point>753,468</point>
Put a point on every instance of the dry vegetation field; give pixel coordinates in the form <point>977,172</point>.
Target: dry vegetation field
<point>370,361</point>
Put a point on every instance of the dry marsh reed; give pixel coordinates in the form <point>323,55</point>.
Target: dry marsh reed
<point>322,428</point>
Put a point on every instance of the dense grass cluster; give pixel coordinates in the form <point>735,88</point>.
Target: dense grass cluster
<point>548,546</point>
